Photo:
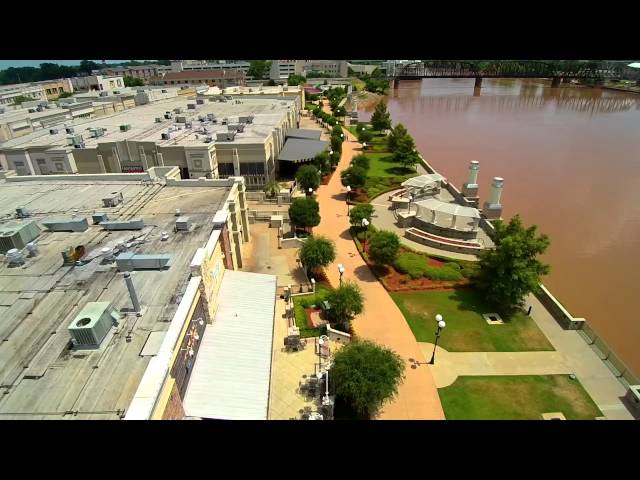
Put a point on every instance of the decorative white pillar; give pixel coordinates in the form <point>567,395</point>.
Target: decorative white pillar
<point>493,208</point>
<point>433,216</point>
<point>470,188</point>
<point>103,168</point>
<point>453,223</point>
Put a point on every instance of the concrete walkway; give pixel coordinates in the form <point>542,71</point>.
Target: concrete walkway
<point>451,365</point>
<point>382,321</point>
<point>594,375</point>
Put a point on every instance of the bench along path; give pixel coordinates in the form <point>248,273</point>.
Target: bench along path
<point>382,321</point>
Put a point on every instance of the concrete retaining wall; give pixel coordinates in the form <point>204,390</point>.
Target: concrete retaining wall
<point>292,242</point>
<point>557,311</point>
<point>442,246</point>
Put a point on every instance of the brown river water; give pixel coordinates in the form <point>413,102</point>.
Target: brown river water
<point>570,158</point>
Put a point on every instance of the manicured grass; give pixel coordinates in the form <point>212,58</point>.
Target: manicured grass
<point>466,330</point>
<point>382,165</point>
<point>304,301</point>
<point>519,397</point>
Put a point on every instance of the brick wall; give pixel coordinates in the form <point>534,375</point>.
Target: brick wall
<point>174,409</point>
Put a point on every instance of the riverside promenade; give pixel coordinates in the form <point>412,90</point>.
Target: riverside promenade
<point>382,321</point>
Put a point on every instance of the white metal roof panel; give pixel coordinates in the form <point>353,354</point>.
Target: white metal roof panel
<point>231,375</point>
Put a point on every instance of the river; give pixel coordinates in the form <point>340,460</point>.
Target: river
<point>570,158</point>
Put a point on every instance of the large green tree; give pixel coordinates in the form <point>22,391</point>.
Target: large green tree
<point>366,375</point>
<point>132,82</point>
<point>383,247</point>
<point>296,80</point>
<point>359,212</point>
<point>317,251</point>
<point>258,68</point>
<point>406,153</point>
<point>308,176</point>
<point>345,303</point>
<point>364,134</point>
<point>512,270</point>
<point>398,132</point>
<point>381,118</point>
<point>355,177</point>
<point>304,212</point>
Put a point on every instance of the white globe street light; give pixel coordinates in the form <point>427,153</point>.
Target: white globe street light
<point>347,200</point>
<point>341,272</point>
<point>441,325</point>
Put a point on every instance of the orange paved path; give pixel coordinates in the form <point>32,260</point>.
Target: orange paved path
<point>381,321</point>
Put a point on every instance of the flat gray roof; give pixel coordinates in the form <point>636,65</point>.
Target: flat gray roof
<point>267,113</point>
<point>230,379</point>
<point>40,377</point>
<point>298,149</point>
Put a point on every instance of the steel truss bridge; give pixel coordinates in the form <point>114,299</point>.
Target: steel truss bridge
<point>592,70</point>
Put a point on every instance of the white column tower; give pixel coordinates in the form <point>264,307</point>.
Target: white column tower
<point>470,188</point>
<point>493,208</point>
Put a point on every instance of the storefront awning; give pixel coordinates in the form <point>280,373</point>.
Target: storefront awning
<point>304,133</point>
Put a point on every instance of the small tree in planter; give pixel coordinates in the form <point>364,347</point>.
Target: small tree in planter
<point>397,133</point>
<point>317,251</point>
<point>308,177</point>
<point>355,177</point>
<point>305,213</point>
<point>366,375</point>
<point>359,212</point>
<point>345,303</point>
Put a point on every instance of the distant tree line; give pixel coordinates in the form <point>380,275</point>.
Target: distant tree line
<point>51,71</point>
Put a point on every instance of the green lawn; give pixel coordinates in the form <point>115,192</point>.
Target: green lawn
<point>519,397</point>
<point>304,301</point>
<point>466,330</point>
<point>382,165</point>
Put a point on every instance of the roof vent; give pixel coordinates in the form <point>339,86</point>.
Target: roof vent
<point>183,224</point>
<point>53,131</point>
<point>133,224</point>
<point>112,201</point>
<point>99,218</point>
<point>128,261</point>
<point>63,224</point>
<point>15,257</point>
<point>125,128</point>
<point>90,327</point>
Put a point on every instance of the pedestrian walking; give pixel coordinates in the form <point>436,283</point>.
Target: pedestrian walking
<point>529,311</point>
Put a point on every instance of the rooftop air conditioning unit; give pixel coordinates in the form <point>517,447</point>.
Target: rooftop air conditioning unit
<point>191,106</point>
<point>69,130</point>
<point>17,235</point>
<point>158,119</point>
<point>200,101</point>
<point>225,136</point>
<point>32,110</point>
<point>237,127</point>
<point>98,218</point>
<point>177,110</point>
<point>165,136</point>
<point>168,115</point>
<point>129,261</point>
<point>188,125</point>
<point>224,121</point>
<point>78,145</point>
<point>132,224</point>
<point>92,324</point>
<point>211,116</point>
<point>181,119</point>
<point>208,139</point>
<point>126,127</point>
<point>183,224</point>
<point>112,201</point>
<point>104,94</point>
<point>53,131</point>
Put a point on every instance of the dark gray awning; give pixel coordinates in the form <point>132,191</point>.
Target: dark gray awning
<point>303,133</point>
<point>300,150</point>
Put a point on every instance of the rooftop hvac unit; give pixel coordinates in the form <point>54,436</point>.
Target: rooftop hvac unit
<point>74,139</point>
<point>79,145</point>
<point>158,119</point>
<point>211,116</point>
<point>200,101</point>
<point>237,127</point>
<point>165,136</point>
<point>99,218</point>
<point>133,224</point>
<point>225,136</point>
<point>15,257</point>
<point>202,118</point>
<point>53,131</point>
<point>191,106</point>
<point>168,115</point>
<point>183,224</point>
<point>17,235</point>
<point>66,224</point>
<point>125,128</point>
<point>177,110</point>
<point>112,201</point>
<point>92,324</point>
<point>97,132</point>
<point>208,139</point>
<point>247,119</point>
<point>181,119</point>
<point>22,212</point>
<point>69,130</point>
<point>188,125</point>
<point>32,110</point>
<point>224,121</point>
<point>128,261</point>
<point>104,94</point>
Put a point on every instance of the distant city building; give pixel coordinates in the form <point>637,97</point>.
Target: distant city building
<point>282,69</point>
<point>142,72</point>
<point>363,68</point>
<point>212,78</point>
<point>186,65</point>
<point>8,93</point>
<point>337,68</point>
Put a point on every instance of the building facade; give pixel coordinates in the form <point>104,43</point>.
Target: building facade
<point>188,65</point>
<point>281,69</point>
<point>212,78</point>
<point>97,82</point>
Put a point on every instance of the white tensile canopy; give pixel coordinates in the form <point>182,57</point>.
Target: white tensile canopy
<point>423,181</point>
<point>448,215</point>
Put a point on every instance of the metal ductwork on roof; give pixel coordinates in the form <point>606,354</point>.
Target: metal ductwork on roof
<point>133,224</point>
<point>128,261</point>
<point>64,224</point>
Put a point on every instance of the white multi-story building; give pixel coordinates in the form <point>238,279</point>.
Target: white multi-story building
<point>185,65</point>
<point>281,69</point>
<point>8,93</point>
<point>97,82</point>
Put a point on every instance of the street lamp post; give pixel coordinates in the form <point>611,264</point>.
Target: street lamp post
<point>441,325</point>
<point>365,225</point>
<point>341,271</point>
<point>310,191</point>
<point>364,145</point>
<point>348,193</point>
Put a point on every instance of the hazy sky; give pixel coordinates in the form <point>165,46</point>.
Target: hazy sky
<point>35,63</point>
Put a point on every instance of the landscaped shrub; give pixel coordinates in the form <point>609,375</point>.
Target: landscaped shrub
<point>443,273</point>
<point>454,266</point>
<point>361,161</point>
<point>413,264</point>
